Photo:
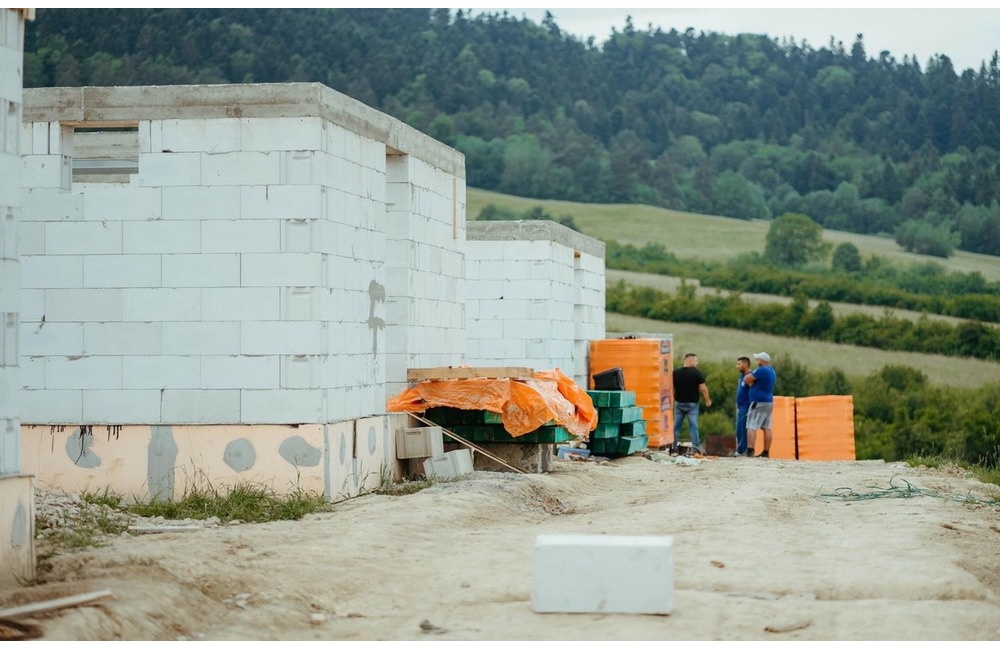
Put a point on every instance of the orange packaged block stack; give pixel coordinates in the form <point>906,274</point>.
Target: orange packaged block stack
<point>647,368</point>
<point>825,427</point>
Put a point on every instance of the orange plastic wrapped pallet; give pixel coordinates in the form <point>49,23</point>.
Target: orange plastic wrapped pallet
<point>523,405</point>
<point>647,367</point>
<point>825,427</point>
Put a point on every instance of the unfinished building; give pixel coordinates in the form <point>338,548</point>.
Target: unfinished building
<point>226,283</point>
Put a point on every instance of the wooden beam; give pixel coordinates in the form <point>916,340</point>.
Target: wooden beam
<point>450,372</point>
<point>58,603</point>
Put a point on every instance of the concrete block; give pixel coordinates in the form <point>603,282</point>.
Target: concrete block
<point>109,271</point>
<point>624,574</point>
<point>240,372</point>
<point>419,442</point>
<point>80,305</point>
<point>17,519</point>
<point>282,134</point>
<point>164,304</point>
<point>30,236</point>
<point>339,460</point>
<point>77,237</point>
<point>160,372</point>
<point>200,406</point>
<point>39,143</point>
<point>10,449</point>
<point>241,304</point>
<point>32,306</point>
<point>299,371</point>
<point>113,202</point>
<point>121,406</point>
<point>46,204</point>
<point>283,269</point>
<point>207,135</point>
<point>40,272</point>
<point>282,406</point>
<point>169,169</point>
<point>67,373</point>
<point>240,168</point>
<point>300,235</point>
<point>304,168</point>
<point>241,236</point>
<point>201,203</point>
<point>47,406</point>
<point>32,370</point>
<point>10,386</point>
<point>8,233</point>
<point>161,237</point>
<point>201,270</point>
<point>283,202</point>
<point>51,171</point>
<point>9,337</point>
<point>301,303</point>
<point>449,465</point>
<point>372,452</point>
<point>201,338</point>
<point>51,339</point>
<point>277,337</point>
<point>117,339</point>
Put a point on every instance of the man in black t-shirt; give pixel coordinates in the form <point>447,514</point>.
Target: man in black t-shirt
<point>688,383</point>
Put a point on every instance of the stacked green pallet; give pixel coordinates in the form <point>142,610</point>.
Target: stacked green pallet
<point>620,431</point>
<point>485,426</point>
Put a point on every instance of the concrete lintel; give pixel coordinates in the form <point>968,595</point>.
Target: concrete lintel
<point>533,230</point>
<point>118,104</point>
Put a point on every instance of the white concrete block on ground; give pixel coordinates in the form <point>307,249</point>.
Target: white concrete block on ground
<point>608,574</point>
<point>451,464</point>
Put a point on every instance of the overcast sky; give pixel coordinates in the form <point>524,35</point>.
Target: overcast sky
<point>967,36</point>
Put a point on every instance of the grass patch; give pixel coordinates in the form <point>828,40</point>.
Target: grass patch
<point>243,501</point>
<point>407,486</point>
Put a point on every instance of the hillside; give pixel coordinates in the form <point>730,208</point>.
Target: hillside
<point>709,237</point>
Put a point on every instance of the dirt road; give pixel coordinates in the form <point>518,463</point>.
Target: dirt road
<point>759,554</point>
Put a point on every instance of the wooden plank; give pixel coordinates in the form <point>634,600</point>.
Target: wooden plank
<point>58,603</point>
<point>450,372</point>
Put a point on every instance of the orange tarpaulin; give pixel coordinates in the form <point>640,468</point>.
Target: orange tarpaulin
<point>523,405</point>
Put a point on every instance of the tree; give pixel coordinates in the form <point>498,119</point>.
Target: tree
<point>846,257</point>
<point>794,239</point>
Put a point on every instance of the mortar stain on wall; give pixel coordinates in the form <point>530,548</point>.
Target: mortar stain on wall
<point>239,455</point>
<point>300,453</point>
<point>376,294</point>
<point>162,459</point>
<point>78,448</point>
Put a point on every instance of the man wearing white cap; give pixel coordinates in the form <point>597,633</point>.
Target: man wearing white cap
<point>761,382</point>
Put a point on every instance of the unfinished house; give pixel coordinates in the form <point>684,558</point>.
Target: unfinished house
<point>17,511</point>
<point>225,283</point>
<point>222,283</point>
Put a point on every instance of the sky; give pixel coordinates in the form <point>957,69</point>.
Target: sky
<point>967,35</point>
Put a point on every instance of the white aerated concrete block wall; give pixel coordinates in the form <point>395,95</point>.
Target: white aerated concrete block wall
<point>608,574</point>
<point>425,269</point>
<point>242,273</point>
<point>535,296</point>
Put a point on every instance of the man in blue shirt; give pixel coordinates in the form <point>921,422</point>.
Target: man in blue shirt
<point>761,382</point>
<point>742,406</point>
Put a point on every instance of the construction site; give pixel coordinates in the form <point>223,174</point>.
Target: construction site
<point>276,284</point>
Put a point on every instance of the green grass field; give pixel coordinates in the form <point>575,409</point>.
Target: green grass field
<point>707,237</point>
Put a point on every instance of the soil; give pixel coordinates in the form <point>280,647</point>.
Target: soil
<point>762,550</point>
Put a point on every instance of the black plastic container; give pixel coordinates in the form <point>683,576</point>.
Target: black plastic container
<point>610,379</point>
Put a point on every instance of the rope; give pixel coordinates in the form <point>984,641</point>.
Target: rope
<point>908,491</point>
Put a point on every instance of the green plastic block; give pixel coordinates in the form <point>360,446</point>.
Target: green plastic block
<point>489,417</point>
<point>620,414</point>
<point>612,398</point>
<point>631,444</point>
<point>604,446</point>
<point>605,430</point>
<point>552,434</point>
<point>637,428</point>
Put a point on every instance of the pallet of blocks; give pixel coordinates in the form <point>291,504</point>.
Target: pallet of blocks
<point>621,429</point>
<point>485,426</point>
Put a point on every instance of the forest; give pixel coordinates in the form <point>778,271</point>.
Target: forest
<point>738,125</point>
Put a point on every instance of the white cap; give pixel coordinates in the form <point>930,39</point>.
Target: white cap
<point>763,356</point>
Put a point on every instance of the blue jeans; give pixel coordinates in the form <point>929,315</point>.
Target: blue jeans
<point>741,429</point>
<point>687,410</point>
